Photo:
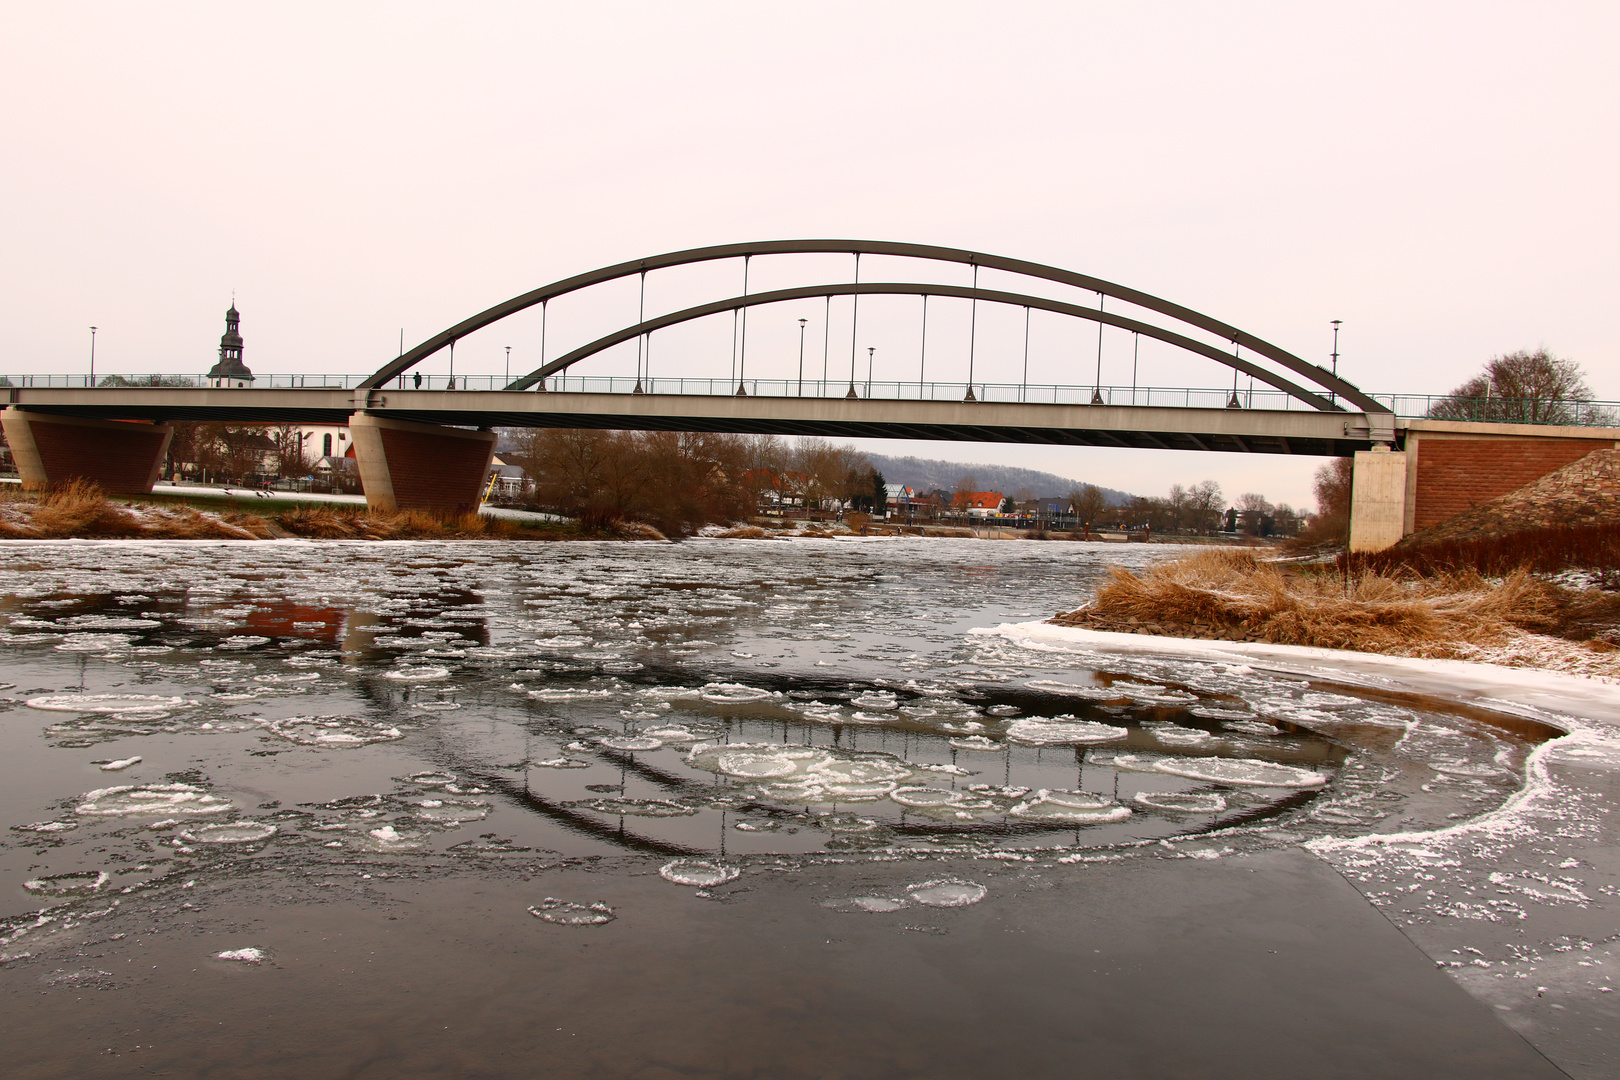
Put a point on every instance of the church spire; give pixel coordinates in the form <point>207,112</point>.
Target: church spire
<point>230,371</point>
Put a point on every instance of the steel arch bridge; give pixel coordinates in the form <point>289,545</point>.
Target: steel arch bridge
<point>1322,392</point>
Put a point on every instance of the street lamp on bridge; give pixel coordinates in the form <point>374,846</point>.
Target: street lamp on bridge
<point>92,356</point>
<point>802,323</point>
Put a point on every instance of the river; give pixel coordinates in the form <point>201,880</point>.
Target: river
<point>186,721</point>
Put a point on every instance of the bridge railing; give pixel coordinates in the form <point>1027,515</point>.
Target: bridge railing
<point>1442,406</point>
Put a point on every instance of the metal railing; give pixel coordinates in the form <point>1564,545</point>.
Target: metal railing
<point>1414,406</point>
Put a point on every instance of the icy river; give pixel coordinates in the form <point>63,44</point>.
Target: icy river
<point>564,730</point>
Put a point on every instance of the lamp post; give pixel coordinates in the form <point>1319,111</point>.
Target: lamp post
<point>509,363</point>
<point>92,356</point>
<point>871,351</point>
<point>1334,396</point>
<point>802,323</point>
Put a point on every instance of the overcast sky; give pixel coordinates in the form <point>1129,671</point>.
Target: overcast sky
<point>1442,177</point>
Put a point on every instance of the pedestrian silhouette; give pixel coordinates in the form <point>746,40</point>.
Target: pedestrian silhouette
<point>419,380</point>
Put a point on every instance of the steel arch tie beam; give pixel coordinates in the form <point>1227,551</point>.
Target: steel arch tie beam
<point>1321,376</point>
<point>716,307</point>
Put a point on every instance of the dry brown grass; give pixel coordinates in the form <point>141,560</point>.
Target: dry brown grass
<point>1233,595</point>
<point>745,532</point>
<point>81,509</point>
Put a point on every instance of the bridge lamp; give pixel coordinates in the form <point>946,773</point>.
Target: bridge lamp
<point>92,356</point>
<point>802,323</point>
<point>509,363</point>
<point>871,352</point>
<point>1336,322</point>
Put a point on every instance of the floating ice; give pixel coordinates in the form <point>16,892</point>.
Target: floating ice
<point>1241,772</point>
<point>388,838</point>
<point>672,734</point>
<point>418,674</point>
<point>875,699</point>
<point>243,641</point>
<point>1251,727</point>
<point>561,763</point>
<point>629,742</point>
<point>107,703</point>
<point>92,642</point>
<point>46,826</point>
<point>563,642</point>
<point>979,743</point>
<point>333,731</point>
<point>121,764</point>
<point>287,677</point>
<point>236,832</point>
<point>1080,807</point>
<point>136,800</point>
<point>928,798</point>
<point>1036,732</point>
<point>653,808</point>
<point>946,893</point>
<point>698,872</point>
<point>1176,735</point>
<point>756,761</point>
<point>568,694</point>
<point>870,905</point>
<point>83,881</point>
<point>1052,686</point>
<point>1181,802</point>
<point>735,693</point>
<point>863,770</point>
<point>564,913</point>
<point>449,811</point>
<point>432,779</point>
<point>755,765</point>
<point>244,956</point>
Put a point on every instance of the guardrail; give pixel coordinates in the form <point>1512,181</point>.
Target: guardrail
<point>1413,406</point>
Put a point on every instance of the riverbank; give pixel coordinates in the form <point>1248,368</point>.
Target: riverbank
<point>82,511</point>
<point>1517,620</point>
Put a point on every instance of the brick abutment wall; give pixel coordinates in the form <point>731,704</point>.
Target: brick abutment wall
<point>1456,475</point>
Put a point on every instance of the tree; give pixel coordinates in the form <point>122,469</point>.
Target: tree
<point>1524,387</point>
<point>1254,513</point>
<point>1089,503</point>
<point>1204,505</point>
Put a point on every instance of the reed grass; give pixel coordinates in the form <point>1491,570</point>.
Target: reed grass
<point>1232,594</point>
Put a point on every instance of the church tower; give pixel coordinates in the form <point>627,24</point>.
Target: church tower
<point>230,371</point>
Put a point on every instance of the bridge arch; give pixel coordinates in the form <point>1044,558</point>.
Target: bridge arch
<point>1313,373</point>
<point>630,333</point>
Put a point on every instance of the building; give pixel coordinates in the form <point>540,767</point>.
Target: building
<point>230,371</point>
<point>977,504</point>
<point>325,441</point>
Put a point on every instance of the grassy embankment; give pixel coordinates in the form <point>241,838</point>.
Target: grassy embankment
<point>1531,599</point>
<point>81,510</point>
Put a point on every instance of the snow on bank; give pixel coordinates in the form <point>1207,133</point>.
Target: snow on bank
<point>1548,696</point>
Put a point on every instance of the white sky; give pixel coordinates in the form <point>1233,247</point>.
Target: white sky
<point>1440,176</point>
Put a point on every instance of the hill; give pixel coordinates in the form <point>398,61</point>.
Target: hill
<point>926,474</point>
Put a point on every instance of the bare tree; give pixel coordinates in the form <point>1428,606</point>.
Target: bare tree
<point>1089,502</point>
<point>1204,506</point>
<point>1524,387</point>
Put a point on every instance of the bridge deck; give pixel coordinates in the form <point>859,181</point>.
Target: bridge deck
<point>1153,427</point>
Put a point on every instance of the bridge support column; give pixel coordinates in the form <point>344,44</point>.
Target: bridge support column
<point>1377,499</point>
<point>405,465</point>
<point>122,457</point>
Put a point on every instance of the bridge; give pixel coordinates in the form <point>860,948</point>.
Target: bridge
<point>421,447</point>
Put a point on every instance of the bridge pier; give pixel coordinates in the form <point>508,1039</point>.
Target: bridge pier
<point>1377,499</point>
<point>122,457</point>
<point>405,465</point>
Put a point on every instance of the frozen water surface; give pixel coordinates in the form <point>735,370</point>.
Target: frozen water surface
<point>403,708</point>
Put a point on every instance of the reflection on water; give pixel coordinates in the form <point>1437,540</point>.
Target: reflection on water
<point>716,698</point>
